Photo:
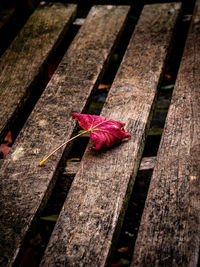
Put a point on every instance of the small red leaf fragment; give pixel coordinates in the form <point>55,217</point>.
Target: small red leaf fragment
<point>51,69</point>
<point>103,131</point>
<point>5,146</point>
<point>30,258</point>
<point>8,138</point>
<point>168,76</point>
<point>4,149</point>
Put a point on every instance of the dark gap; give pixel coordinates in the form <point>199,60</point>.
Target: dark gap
<point>187,6</point>
<point>123,253</point>
<point>151,145</point>
<point>125,246</point>
<point>40,234</point>
<point>82,5</point>
<point>166,90</point>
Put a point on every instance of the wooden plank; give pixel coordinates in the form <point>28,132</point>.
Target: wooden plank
<point>23,61</point>
<point>24,185</point>
<point>79,22</point>
<point>13,15</point>
<point>94,208</point>
<point>169,233</point>
<point>147,163</point>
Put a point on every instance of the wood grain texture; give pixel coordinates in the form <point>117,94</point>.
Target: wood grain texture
<point>94,208</point>
<point>147,163</point>
<point>23,61</point>
<point>24,185</point>
<point>169,233</point>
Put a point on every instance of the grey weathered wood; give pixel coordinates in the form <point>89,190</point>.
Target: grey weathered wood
<point>24,185</point>
<point>84,233</point>
<point>147,163</point>
<point>169,233</point>
<point>79,21</point>
<point>22,62</point>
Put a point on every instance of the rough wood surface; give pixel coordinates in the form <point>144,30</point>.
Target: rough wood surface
<point>147,163</point>
<point>84,233</point>
<point>22,62</point>
<point>24,185</point>
<point>169,233</point>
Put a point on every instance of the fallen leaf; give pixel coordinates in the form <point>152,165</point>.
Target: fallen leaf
<point>30,258</point>
<point>73,159</point>
<point>123,249</point>
<point>50,218</point>
<point>51,69</point>
<point>4,149</point>
<point>103,131</point>
<point>5,146</point>
<point>8,138</point>
<point>104,86</point>
<point>166,87</point>
<point>168,76</point>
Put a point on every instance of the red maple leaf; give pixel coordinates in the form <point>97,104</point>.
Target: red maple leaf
<point>103,131</point>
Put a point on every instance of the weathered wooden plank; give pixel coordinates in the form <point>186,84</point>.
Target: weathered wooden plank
<point>169,233</point>
<point>147,163</point>
<point>79,21</point>
<point>13,15</point>
<point>85,230</point>
<point>22,62</point>
<point>24,185</point>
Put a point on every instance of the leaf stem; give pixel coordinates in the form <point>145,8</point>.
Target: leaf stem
<point>41,162</point>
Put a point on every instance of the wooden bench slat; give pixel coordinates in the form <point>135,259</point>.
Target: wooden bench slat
<point>169,233</point>
<point>23,61</point>
<point>147,163</point>
<point>24,185</point>
<point>96,202</point>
